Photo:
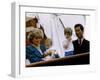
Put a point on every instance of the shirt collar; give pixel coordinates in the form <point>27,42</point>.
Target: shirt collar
<point>81,40</point>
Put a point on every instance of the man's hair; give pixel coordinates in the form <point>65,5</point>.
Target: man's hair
<point>79,25</point>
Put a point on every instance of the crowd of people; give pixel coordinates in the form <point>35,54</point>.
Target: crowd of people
<point>39,46</point>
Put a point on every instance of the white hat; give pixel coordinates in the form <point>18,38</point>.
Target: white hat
<point>30,16</point>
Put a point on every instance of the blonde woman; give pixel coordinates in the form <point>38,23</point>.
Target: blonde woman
<point>35,51</point>
<point>31,23</point>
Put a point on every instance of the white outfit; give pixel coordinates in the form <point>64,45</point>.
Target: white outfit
<point>70,46</point>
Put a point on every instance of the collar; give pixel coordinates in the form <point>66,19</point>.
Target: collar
<point>38,47</point>
<point>81,40</point>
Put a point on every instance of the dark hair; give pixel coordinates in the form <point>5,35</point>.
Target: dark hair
<point>28,23</point>
<point>35,19</point>
<point>79,25</point>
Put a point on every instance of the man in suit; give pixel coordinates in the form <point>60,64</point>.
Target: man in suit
<point>81,45</point>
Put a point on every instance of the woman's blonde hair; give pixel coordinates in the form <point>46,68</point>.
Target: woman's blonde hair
<point>35,33</point>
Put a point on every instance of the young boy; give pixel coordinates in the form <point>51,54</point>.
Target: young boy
<point>50,49</point>
<point>67,44</point>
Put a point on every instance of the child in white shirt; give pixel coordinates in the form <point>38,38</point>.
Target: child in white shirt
<point>67,44</point>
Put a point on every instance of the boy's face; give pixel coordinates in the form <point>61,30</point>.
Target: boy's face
<point>48,44</point>
<point>67,35</point>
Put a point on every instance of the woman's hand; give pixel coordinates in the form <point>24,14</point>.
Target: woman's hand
<point>49,52</point>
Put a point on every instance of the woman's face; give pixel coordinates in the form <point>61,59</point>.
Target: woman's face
<point>36,41</point>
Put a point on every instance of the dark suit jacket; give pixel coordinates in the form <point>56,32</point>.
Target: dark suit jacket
<point>85,47</point>
<point>33,55</point>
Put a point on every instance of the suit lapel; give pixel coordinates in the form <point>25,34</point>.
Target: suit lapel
<point>82,42</point>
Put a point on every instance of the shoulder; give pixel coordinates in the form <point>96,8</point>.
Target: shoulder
<point>74,41</point>
<point>86,41</point>
<point>30,47</point>
<point>65,41</point>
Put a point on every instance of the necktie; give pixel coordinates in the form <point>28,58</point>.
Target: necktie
<point>79,42</point>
